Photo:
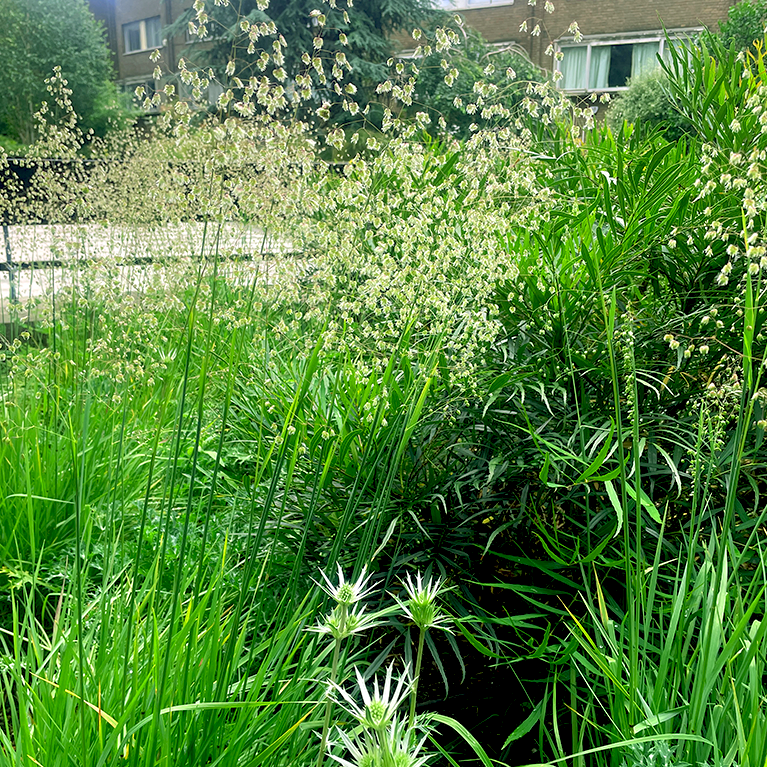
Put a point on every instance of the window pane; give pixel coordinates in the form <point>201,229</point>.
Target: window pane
<point>600,66</point>
<point>214,91</point>
<point>573,67</point>
<point>643,58</point>
<point>620,65</point>
<point>132,35</point>
<point>153,29</point>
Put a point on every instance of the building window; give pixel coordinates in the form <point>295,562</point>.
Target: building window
<point>150,88</point>
<point>458,5</point>
<point>142,35</point>
<point>603,64</point>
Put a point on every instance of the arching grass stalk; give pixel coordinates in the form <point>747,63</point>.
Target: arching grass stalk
<point>421,607</point>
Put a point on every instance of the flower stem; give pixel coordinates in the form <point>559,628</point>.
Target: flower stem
<point>385,751</point>
<point>414,691</point>
<point>329,702</point>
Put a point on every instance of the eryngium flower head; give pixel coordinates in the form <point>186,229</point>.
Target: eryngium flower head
<point>399,741</point>
<point>363,750</point>
<point>404,746</point>
<point>341,622</point>
<point>378,709</point>
<point>421,605</point>
<point>346,593</point>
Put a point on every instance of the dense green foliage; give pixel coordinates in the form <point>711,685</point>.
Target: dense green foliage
<point>647,104</point>
<point>359,38</point>
<point>745,23</point>
<point>38,35</point>
<point>530,363</point>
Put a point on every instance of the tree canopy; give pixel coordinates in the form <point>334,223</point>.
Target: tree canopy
<point>363,33</point>
<point>745,23</point>
<point>36,36</point>
<point>447,81</point>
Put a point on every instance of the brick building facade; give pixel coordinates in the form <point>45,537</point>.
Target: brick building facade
<point>136,28</point>
<point>620,37</point>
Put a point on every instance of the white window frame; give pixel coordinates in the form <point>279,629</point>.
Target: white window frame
<point>468,5</point>
<point>143,41</point>
<point>632,38</point>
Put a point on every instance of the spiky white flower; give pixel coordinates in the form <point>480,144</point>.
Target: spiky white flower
<point>399,742</point>
<point>342,623</point>
<point>421,604</point>
<point>404,746</point>
<point>378,709</point>
<point>364,751</point>
<point>346,593</point>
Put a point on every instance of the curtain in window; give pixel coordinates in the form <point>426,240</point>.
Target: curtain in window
<point>573,67</point>
<point>132,33</point>
<point>643,58</point>
<point>680,45</point>
<point>153,27</point>
<point>600,66</point>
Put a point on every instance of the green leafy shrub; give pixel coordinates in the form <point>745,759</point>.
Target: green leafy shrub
<point>646,103</point>
<point>448,82</point>
<point>39,35</point>
<point>745,23</point>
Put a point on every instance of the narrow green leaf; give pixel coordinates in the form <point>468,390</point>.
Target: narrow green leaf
<point>474,642</point>
<point>615,501</point>
<point>466,735</point>
<point>647,504</point>
<point>656,719</point>
<point>544,472</point>
<point>596,464</point>
<point>499,382</point>
<point>522,729</point>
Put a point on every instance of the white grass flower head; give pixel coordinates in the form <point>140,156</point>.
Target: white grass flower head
<point>377,710</point>
<point>421,604</point>
<point>346,593</point>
